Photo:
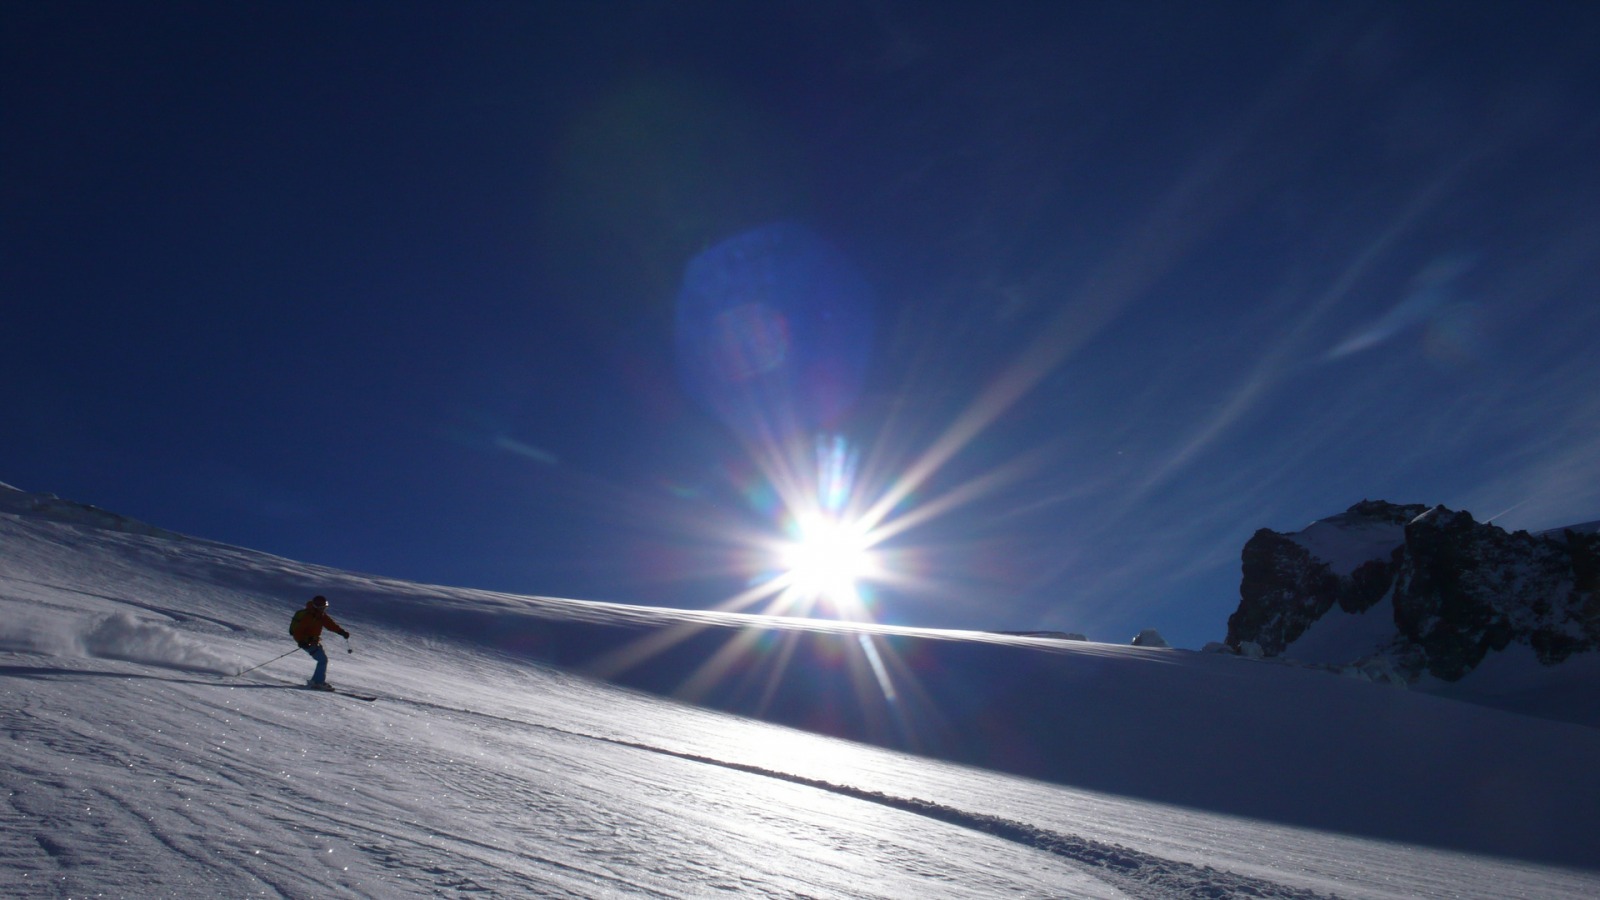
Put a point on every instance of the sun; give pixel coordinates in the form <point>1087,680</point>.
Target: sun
<point>827,560</point>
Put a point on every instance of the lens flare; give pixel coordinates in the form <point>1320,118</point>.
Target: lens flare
<point>773,332</point>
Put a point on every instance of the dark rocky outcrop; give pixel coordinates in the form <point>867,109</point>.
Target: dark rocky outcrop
<point>1285,588</point>
<point>1470,587</point>
<point>1459,588</point>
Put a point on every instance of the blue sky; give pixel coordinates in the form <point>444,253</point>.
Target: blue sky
<point>569,298</point>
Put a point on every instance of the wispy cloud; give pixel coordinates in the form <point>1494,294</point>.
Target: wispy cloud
<point>1430,290</point>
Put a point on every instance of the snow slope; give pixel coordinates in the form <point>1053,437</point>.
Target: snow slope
<point>498,762</point>
<point>1345,545</point>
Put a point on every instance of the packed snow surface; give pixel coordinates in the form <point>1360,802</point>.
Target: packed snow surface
<point>540,747</point>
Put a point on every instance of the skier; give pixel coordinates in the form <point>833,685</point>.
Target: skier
<point>306,629</point>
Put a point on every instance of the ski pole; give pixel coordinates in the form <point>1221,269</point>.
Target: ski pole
<point>268,662</point>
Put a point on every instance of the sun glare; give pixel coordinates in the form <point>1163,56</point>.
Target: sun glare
<point>827,560</point>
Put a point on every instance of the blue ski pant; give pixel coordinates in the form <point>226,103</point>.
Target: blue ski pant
<point>321,656</point>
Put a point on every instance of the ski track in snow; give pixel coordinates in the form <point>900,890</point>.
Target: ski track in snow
<point>1136,873</point>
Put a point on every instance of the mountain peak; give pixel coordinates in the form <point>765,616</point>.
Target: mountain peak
<point>1430,589</point>
<point>1380,511</point>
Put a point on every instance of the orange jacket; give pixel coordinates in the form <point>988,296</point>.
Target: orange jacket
<point>307,624</point>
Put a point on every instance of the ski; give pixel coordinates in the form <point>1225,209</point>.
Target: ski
<point>328,690</point>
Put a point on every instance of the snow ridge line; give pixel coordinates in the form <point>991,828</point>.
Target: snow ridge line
<point>1134,872</point>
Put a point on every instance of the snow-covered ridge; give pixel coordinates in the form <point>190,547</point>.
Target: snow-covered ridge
<point>17,501</point>
<point>1367,532</point>
<point>1580,528</point>
<point>1346,547</point>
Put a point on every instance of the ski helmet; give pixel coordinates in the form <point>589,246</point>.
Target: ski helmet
<point>320,602</point>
